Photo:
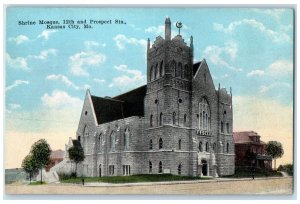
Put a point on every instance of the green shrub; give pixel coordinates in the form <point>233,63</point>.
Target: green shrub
<point>66,176</point>
<point>289,168</point>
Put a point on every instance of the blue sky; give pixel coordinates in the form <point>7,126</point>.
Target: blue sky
<point>48,71</point>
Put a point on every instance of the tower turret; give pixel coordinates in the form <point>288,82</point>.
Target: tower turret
<point>168,29</point>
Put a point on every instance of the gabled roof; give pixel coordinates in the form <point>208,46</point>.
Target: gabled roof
<point>122,106</point>
<point>244,137</point>
<point>196,67</point>
<point>57,154</point>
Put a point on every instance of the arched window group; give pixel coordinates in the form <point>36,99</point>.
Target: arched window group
<point>99,142</point>
<point>160,119</point>
<point>85,138</point>
<point>207,147</point>
<point>204,119</point>
<point>113,141</point>
<point>160,143</point>
<point>126,139</point>
<point>179,169</point>
<point>214,147</point>
<point>150,167</point>
<point>200,147</point>
<point>160,167</point>
<point>157,71</point>
<point>227,147</point>
<point>150,144</point>
<point>174,118</point>
<point>180,70</point>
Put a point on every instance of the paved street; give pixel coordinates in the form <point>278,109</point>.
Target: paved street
<point>224,186</point>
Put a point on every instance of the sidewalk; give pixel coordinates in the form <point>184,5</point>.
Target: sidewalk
<point>100,184</point>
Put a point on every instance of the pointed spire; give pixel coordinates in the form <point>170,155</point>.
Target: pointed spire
<point>168,29</point>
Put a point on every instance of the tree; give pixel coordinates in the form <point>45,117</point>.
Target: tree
<point>76,155</point>
<point>41,151</point>
<point>275,150</point>
<point>29,166</point>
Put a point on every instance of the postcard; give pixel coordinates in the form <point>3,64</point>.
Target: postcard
<point>149,100</point>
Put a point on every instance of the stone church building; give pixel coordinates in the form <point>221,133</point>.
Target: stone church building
<point>177,123</point>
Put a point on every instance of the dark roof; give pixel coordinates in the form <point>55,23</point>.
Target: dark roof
<point>57,154</point>
<point>245,137</point>
<point>195,67</point>
<point>76,143</point>
<point>122,106</point>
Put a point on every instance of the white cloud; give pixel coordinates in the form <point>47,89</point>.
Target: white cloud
<point>121,40</point>
<point>17,63</point>
<point>60,99</point>
<point>157,30</point>
<point>19,39</point>
<point>14,106</point>
<point>44,54</point>
<point>16,84</point>
<point>46,34</point>
<point>80,61</point>
<point>264,89</point>
<point>89,44</point>
<point>66,81</point>
<point>135,77</point>
<point>273,35</point>
<point>214,54</point>
<point>281,67</point>
<point>275,13</point>
<point>257,72</point>
<point>100,81</point>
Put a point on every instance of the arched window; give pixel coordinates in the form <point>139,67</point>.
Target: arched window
<point>113,141</point>
<point>150,144</point>
<point>156,71</point>
<point>160,167</point>
<point>86,132</point>
<point>160,143</point>
<point>99,142</point>
<point>179,70</point>
<point>161,69</point>
<point>185,71</point>
<point>174,118</point>
<point>227,127</point>
<point>200,147</point>
<point>227,147</point>
<point>151,120</point>
<point>151,73</point>
<point>207,147</point>
<point>179,169</point>
<point>85,139</point>
<point>126,139</point>
<point>184,119</point>
<point>179,144</point>
<point>150,167</point>
<point>160,119</point>
<point>204,114</point>
<point>173,66</point>
<point>215,147</point>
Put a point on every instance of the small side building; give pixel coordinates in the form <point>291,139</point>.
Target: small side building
<point>250,151</point>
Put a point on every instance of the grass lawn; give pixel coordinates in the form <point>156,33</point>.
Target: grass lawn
<point>37,183</point>
<point>133,178</point>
